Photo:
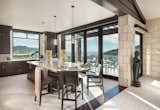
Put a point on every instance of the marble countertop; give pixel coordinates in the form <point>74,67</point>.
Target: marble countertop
<point>54,68</point>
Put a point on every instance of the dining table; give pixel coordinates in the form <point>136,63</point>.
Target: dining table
<point>54,69</point>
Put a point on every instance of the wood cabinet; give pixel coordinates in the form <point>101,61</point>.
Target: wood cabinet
<point>50,43</point>
<point>31,73</point>
<point>13,68</point>
<point>5,39</point>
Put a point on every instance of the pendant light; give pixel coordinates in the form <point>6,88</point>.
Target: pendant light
<point>72,36</point>
<point>55,40</point>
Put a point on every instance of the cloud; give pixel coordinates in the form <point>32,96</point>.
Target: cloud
<point>113,38</point>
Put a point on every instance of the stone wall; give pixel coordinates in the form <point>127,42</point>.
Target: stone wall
<point>126,48</point>
<point>151,49</point>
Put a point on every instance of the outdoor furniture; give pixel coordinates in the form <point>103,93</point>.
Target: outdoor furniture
<point>95,75</point>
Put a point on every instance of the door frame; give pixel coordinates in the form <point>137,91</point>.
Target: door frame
<point>141,53</point>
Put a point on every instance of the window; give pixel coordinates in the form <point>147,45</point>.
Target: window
<point>92,48</point>
<point>79,47</point>
<point>138,47</point>
<point>137,43</point>
<point>68,47</point>
<point>25,46</point>
<point>110,55</point>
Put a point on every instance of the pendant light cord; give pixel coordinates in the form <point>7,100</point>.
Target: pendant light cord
<point>55,23</point>
<point>72,6</point>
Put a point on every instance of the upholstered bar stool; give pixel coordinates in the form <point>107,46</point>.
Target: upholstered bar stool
<point>70,81</point>
<point>42,82</point>
<point>57,82</point>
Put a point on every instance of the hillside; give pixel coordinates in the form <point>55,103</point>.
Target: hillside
<point>23,50</point>
<point>111,52</point>
<point>115,51</point>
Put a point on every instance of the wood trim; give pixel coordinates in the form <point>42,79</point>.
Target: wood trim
<point>73,53</point>
<point>26,31</point>
<point>141,48</point>
<point>123,7</point>
<point>85,46</point>
<point>110,77</point>
<point>72,50</point>
<point>62,42</point>
<point>106,21</point>
<point>141,42</point>
<point>100,45</point>
<point>5,39</point>
<point>138,26</point>
<point>105,32</point>
<point>139,11</point>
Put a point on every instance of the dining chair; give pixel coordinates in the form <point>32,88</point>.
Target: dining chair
<point>95,78</point>
<point>71,81</point>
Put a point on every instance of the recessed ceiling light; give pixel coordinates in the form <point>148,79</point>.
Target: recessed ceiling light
<point>43,22</point>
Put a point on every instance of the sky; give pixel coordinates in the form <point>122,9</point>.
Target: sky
<point>26,42</point>
<point>20,40</point>
<point>110,42</point>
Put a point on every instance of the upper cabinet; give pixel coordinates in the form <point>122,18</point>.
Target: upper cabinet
<point>52,43</point>
<point>5,39</point>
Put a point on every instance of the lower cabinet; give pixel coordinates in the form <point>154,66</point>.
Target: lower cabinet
<point>13,68</point>
<point>31,73</point>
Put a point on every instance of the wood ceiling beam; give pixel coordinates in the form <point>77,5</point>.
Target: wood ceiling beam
<point>123,7</point>
<point>111,20</point>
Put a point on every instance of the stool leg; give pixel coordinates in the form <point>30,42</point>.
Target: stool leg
<point>87,85</point>
<point>58,88</point>
<point>40,99</point>
<point>82,88</point>
<point>75,99</point>
<point>35,98</point>
<point>62,98</point>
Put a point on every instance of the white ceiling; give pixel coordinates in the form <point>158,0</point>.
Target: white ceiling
<point>150,8</point>
<point>29,14</point>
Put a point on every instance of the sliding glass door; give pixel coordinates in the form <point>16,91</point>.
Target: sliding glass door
<point>68,46</point>
<point>92,48</point>
<point>79,48</point>
<point>110,55</point>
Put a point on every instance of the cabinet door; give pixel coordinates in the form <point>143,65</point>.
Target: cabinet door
<point>10,68</point>
<point>0,68</point>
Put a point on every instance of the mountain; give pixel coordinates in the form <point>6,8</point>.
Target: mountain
<point>115,51</point>
<point>24,50</point>
<point>111,52</point>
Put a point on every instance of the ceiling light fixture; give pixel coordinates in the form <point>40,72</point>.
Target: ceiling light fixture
<point>55,40</point>
<point>72,37</point>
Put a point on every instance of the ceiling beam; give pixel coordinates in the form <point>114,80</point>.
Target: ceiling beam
<point>123,7</point>
<point>107,21</point>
